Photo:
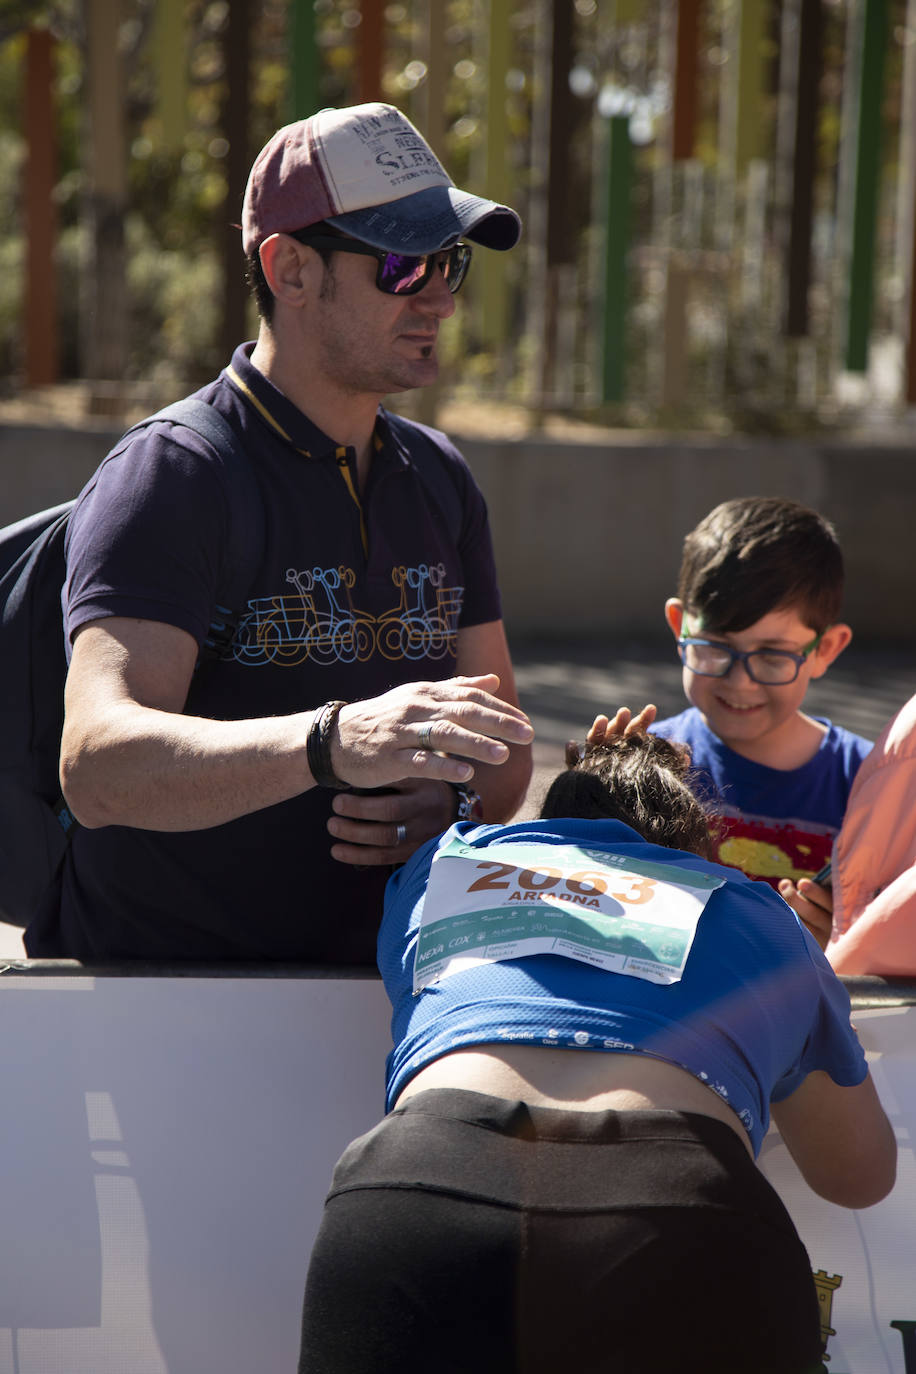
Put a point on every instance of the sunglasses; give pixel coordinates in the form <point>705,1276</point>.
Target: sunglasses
<point>400,274</point>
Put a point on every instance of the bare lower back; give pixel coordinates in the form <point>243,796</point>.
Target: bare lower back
<point>575,1080</point>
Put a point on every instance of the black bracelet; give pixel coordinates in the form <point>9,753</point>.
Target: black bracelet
<point>318,745</point>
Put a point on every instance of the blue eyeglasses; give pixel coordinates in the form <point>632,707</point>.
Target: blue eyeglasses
<point>400,274</point>
<point>770,667</point>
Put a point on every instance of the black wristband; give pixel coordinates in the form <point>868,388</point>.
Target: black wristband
<point>318,745</point>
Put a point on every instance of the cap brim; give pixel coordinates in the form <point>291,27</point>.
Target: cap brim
<point>432,219</point>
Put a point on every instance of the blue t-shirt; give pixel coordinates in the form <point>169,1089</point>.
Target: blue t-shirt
<point>349,599</point>
<point>757,1008</point>
<point>776,823</point>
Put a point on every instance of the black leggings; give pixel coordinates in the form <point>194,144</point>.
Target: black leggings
<point>469,1233</point>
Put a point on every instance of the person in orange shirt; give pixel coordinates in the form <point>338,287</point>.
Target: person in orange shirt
<point>867,922</point>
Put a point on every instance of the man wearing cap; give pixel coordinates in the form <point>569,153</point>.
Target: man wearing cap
<point>252,808</point>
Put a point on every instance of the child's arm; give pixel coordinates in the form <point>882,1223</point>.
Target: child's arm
<point>813,904</point>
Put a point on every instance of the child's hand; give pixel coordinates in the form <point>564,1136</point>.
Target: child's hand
<point>813,904</point>
<point>624,723</point>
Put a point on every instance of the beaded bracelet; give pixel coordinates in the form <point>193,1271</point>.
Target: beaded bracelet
<point>318,745</point>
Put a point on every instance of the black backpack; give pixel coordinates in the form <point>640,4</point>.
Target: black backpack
<point>35,822</point>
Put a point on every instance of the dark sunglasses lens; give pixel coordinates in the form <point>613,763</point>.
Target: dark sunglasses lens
<point>401,275</point>
<point>455,267</point>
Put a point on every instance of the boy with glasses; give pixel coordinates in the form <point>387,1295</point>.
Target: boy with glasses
<point>756,620</point>
<point>253,810</point>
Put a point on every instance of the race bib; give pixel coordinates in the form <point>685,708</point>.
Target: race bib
<point>511,900</point>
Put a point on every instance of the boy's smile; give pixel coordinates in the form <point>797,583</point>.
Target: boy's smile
<point>762,721</point>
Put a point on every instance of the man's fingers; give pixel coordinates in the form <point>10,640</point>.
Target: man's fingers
<point>364,855</point>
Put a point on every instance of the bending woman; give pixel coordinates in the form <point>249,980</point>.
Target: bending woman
<point>566,1179</point>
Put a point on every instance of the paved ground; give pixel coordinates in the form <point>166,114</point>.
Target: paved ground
<point>563,684</point>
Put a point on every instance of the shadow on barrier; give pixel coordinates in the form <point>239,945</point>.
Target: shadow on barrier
<point>167,1146</point>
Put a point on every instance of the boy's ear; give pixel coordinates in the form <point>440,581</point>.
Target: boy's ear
<point>834,640</point>
<point>674,614</point>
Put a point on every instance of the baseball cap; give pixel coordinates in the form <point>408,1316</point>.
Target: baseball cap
<point>368,171</point>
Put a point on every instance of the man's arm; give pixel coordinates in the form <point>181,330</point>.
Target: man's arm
<point>365,829</point>
<point>129,757</point>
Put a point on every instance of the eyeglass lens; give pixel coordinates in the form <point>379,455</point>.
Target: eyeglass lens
<point>771,667</point>
<point>765,666</point>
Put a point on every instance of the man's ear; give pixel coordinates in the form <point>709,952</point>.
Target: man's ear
<point>285,267</point>
<point>833,641</point>
<point>674,614</point>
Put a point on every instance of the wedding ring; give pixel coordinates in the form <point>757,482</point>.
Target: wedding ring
<point>401,832</point>
<point>425,736</point>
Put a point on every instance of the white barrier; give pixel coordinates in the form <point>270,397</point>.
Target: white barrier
<point>166,1143</point>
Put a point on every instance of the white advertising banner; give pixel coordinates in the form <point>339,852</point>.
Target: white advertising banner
<point>167,1142</point>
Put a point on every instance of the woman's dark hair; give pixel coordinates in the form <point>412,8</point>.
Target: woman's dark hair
<point>642,780</point>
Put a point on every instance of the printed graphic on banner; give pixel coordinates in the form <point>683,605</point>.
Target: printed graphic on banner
<point>511,900</point>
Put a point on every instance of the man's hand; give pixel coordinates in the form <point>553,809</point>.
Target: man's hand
<point>813,904</point>
<point>426,730</point>
<point>386,827</point>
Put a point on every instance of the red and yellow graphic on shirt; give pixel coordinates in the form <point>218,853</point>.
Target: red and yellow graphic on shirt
<point>772,850</point>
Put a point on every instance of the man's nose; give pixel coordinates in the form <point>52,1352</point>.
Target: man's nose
<point>435,298</point>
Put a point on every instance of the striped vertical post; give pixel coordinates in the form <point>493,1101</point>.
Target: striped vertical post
<point>617,242</point>
<point>874,21</point>
<point>750,82</point>
<point>494,322</point>
<point>809,66</point>
<point>684,113</point>
<point>370,47</point>
<point>304,65</point>
<point>40,314</point>
<point>169,52</point>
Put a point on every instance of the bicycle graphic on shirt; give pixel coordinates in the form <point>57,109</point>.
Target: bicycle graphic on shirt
<point>290,628</point>
<point>417,630</point>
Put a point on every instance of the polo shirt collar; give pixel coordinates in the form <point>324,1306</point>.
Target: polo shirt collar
<point>279,412</point>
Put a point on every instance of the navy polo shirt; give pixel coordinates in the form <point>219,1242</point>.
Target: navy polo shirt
<point>352,594</point>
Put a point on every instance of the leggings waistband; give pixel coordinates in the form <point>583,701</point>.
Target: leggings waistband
<point>472,1145</point>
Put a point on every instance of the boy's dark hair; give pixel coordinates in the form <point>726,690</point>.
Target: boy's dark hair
<point>257,282</point>
<point>642,780</point>
<point>759,554</point>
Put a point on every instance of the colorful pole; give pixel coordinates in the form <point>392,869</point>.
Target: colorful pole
<point>40,315</point>
<point>493,265</point>
<point>865,193</point>
<point>617,239</point>
<point>304,73</point>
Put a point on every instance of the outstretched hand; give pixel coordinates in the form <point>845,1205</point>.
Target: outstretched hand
<point>624,723</point>
<point>426,730</point>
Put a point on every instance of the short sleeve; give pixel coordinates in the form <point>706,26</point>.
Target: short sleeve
<point>832,1045</point>
<point>147,538</point>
